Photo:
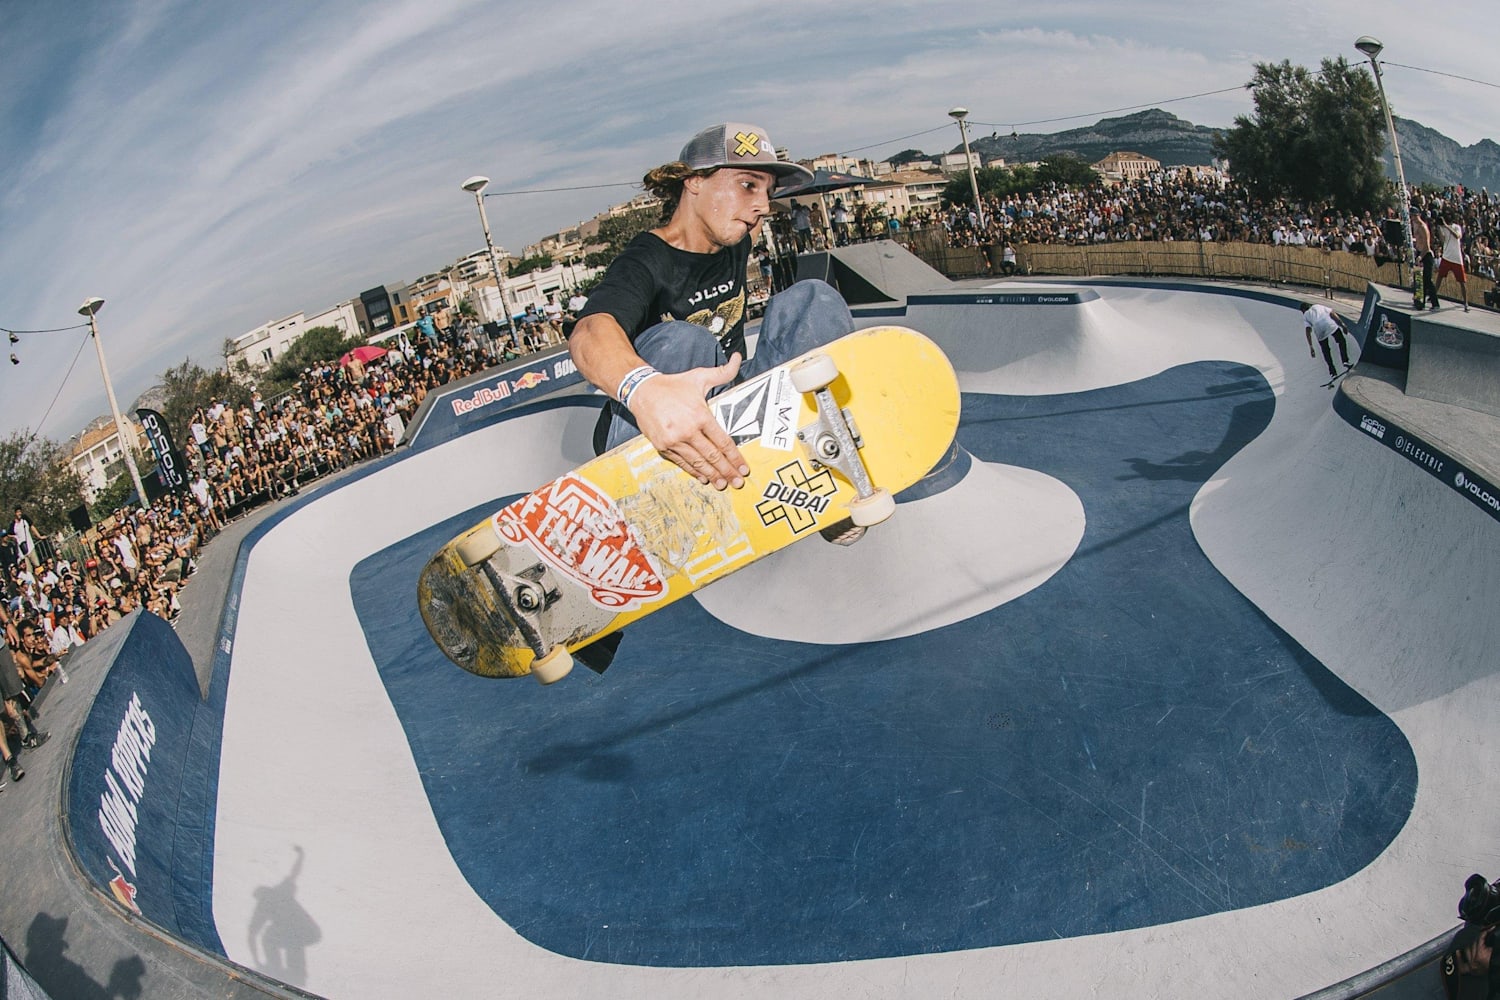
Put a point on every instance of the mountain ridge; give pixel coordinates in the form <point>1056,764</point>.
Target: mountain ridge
<point>1427,156</point>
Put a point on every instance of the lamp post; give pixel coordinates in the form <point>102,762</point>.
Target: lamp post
<point>476,186</point>
<point>959,114</point>
<point>1371,47</point>
<point>89,308</point>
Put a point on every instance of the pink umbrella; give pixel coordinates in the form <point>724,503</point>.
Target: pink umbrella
<point>363,354</point>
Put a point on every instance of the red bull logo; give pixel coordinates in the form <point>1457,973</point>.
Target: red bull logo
<point>481,397</point>
<point>578,531</point>
<point>124,893</point>
<point>529,381</point>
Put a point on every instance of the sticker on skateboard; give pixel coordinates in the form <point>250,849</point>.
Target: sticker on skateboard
<point>829,437</point>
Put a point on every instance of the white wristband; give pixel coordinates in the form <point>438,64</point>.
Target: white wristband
<point>632,381</point>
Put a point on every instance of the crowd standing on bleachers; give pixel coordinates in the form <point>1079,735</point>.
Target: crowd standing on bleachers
<point>1206,205</point>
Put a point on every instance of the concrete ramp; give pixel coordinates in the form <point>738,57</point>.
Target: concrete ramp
<point>1450,356</point>
<point>1172,662</point>
<point>1043,339</point>
<point>883,271</point>
<point>1455,358</point>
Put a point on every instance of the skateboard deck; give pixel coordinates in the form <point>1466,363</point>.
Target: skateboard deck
<point>629,532</point>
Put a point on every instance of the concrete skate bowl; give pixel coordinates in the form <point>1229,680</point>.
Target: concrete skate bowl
<point>1169,677</point>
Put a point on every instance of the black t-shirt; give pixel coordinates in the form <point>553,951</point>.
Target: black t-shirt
<point>652,281</point>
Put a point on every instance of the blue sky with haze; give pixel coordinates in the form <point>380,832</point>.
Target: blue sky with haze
<point>207,167</point>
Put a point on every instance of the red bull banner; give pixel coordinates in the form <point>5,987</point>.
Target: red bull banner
<point>458,409</point>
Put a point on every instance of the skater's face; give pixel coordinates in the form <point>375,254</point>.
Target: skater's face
<point>729,203</point>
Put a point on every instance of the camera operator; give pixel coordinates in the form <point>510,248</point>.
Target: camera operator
<point>1451,260</point>
<point>1468,969</point>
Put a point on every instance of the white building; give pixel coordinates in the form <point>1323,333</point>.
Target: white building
<point>535,287</point>
<point>97,451</point>
<point>261,346</point>
<point>953,163</point>
<point>924,188</point>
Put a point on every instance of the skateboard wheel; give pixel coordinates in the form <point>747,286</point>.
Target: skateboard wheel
<point>553,667</point>
<point>479,546</point>
<point>877,507</point>
<point>814,372</point>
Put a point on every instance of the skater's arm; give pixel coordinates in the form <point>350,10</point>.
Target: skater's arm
<point>1307,332</point>
<point>669,409</point>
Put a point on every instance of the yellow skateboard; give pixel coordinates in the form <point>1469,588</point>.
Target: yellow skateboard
<point>829,436</point>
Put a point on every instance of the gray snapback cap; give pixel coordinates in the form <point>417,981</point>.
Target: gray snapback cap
<point>737,144</point>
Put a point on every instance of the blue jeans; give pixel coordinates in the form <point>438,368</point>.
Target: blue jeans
<point>802,318</point>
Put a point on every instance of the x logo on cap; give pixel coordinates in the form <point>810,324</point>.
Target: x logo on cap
<point>749,144</point>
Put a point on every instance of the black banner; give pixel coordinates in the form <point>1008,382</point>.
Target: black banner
<point>1445,468</point>
<point>171,470</point>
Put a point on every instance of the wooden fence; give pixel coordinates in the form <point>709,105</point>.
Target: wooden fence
<point>1280,265</point>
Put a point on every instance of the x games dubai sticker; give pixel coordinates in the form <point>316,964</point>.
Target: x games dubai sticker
<point>577,530</point>
<point>796,497</point>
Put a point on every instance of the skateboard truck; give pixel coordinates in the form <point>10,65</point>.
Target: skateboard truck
<point>524,596</point>
<point>834,441</point>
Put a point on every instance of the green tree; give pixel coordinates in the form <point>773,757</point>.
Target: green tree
<point>526,265</point>
<point>617,231</point>
<point>315,346</point>
<point>1067,170</point>
<point>35,475</point>
<point>1314,137</point>
<point>994,182</point>
<point>189,386</point>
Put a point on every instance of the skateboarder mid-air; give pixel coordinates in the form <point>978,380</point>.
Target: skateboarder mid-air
<point>665,327</point>
<point>559,573</point>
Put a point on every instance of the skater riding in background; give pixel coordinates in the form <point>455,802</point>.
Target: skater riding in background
<point>1323,322</point>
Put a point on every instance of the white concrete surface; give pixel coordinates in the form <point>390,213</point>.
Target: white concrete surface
<point>1391,580</point>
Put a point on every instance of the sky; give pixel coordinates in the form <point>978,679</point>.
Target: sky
<point>208,167</point>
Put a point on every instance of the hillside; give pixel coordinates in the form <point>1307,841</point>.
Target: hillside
<point>1428,156</point>
<point>1156,133</point>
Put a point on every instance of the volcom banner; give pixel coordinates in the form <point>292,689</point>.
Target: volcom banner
<point>170,468</point>
<point>1470,485</point>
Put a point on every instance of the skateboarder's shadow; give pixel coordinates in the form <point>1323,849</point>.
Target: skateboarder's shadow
<point>281,930</point>
<point>589,761</point>
<point>1196,465</point>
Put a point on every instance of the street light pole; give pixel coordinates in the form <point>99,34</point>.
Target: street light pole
<point>89,308</point>
<point>959,114</point>
<point>1371,47</point>
<point>476,185</point>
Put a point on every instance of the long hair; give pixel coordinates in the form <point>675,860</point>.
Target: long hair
<point>666,181</point>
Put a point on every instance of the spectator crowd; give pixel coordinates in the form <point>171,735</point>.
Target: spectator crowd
<point>240,458</point>
<point>1194,203</point>
<point>337,414</point>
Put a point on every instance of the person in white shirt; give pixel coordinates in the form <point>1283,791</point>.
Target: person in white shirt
<point>1452,262</point>
<point>25,541</point>
<point>1323,322</point>
<point>128,560</point>
<point>61,639</point>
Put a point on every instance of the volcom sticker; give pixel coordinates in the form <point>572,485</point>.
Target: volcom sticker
<point>763,410</point>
